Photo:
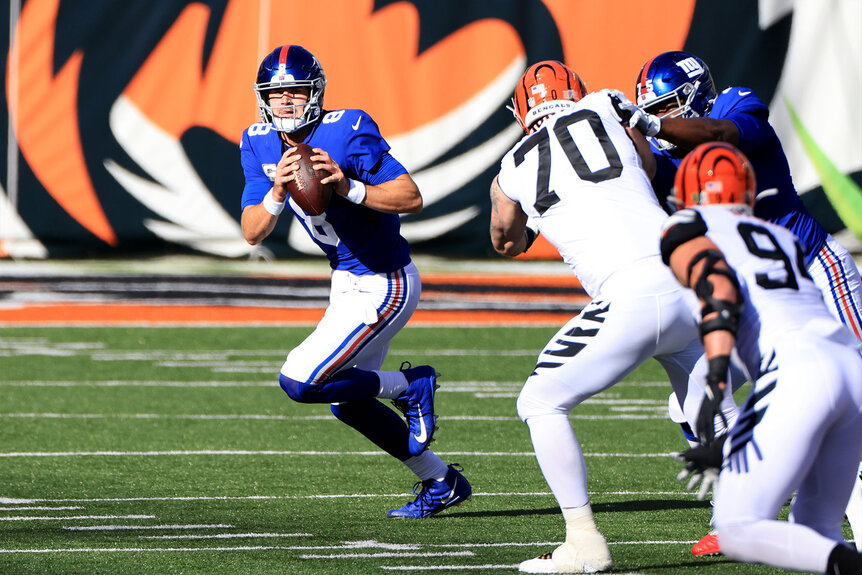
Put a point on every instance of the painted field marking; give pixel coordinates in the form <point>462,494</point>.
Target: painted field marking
<point>76,517</point>
<point>405,553</point>
<point>338,496</point>
<point>128,383</point>
<point>329,418</point>
<point>447,567</point>
<point>227,536</point>
<point>147,549</point>
<point>236,452</point>
<point>40,508</point>
<point>459,568</point>
<point>146,527</point>
<point>450,386</point>
<point>387,554</point>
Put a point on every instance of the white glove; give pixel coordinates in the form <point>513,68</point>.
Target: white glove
<point>647,124</point>
<point>622,106</point>
<point>628,113</point>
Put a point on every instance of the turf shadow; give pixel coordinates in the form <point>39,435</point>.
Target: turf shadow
<point>503,512</point>
<point>649,505</point>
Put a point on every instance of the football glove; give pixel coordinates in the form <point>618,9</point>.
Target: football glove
<point>632,116</point>
<point>703,464</point>
<point>716,382</point>
<point>622,106</point>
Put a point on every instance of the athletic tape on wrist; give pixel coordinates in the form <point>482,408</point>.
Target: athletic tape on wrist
<point>270,205</point>
<point>357,192</point>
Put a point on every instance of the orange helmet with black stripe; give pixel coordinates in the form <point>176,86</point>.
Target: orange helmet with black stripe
<point>545,88</point>
<point>714,173</point>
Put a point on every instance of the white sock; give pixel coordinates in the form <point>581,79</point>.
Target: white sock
<point>560,458</point>
<point>392,384</point>
<point>427,465</point>
<point>579,519</point>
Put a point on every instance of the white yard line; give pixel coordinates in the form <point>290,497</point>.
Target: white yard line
<point>146,527</point>
<point>128,383</point>
<point>448,567</point>
<point>490,567</point>
<point>38,508</point>
<point>238,452</point>
<point>262,417</point>
<point>146,549</point>
<point>446,385</point>
<point>388,554</point>
<point>401,550</point>
<point>334,496</point>
<point>228,536</point>
<point>76,517</point>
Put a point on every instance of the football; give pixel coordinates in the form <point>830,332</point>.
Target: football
<point>306,189</point>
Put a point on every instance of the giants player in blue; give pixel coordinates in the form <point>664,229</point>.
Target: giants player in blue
<point>680,109</point>
<point>375,286</point>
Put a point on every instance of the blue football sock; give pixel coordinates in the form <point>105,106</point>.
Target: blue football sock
<point>382,425</point>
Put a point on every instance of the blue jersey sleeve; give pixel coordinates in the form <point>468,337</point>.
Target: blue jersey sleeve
<point>259,152</point>
<point>751,116</point>
<point>759,142</point>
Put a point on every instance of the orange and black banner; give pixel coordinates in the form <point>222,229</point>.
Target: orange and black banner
<point>122,119</point>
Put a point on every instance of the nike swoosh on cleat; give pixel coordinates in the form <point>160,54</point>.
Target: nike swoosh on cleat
<point>423,433</point>
<point>741,93</point>
<point>448,499</point>
<point>356,125</point>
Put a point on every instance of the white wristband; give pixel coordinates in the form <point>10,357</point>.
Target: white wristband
<point>356,193</point>
<point>270,205</point>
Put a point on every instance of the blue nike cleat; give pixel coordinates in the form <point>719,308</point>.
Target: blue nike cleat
<point>434,496</point>
<point>417,405</point>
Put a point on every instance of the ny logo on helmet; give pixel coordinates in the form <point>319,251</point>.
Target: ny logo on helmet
<point>691,67</point>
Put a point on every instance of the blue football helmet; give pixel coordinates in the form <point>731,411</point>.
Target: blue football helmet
<point>675,84</point>
<point>290,67</point>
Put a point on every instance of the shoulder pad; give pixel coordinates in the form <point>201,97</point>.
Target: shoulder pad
<point>679,228</point>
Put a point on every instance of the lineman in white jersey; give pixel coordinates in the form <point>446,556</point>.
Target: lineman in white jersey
<point>801,427</point>
<point>580,176</point>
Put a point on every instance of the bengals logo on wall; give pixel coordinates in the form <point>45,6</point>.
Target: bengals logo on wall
<point>128,116</point>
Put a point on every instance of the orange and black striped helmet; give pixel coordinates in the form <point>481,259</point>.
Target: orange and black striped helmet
<point>714,173</point>
<point>541,90</point>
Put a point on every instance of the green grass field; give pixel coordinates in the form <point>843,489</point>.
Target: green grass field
<point>173,450</point>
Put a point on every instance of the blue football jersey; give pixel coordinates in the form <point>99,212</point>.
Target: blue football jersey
<point>759,142</point>
<point>354,237</point>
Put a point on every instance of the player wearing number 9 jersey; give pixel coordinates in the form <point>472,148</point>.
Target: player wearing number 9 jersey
<point>580,176</point>
<point>375,286</point>
<point>801,427</point>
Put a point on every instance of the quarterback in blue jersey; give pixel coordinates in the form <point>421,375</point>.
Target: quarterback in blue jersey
<point>375,286</point>
<point>678,109</point>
